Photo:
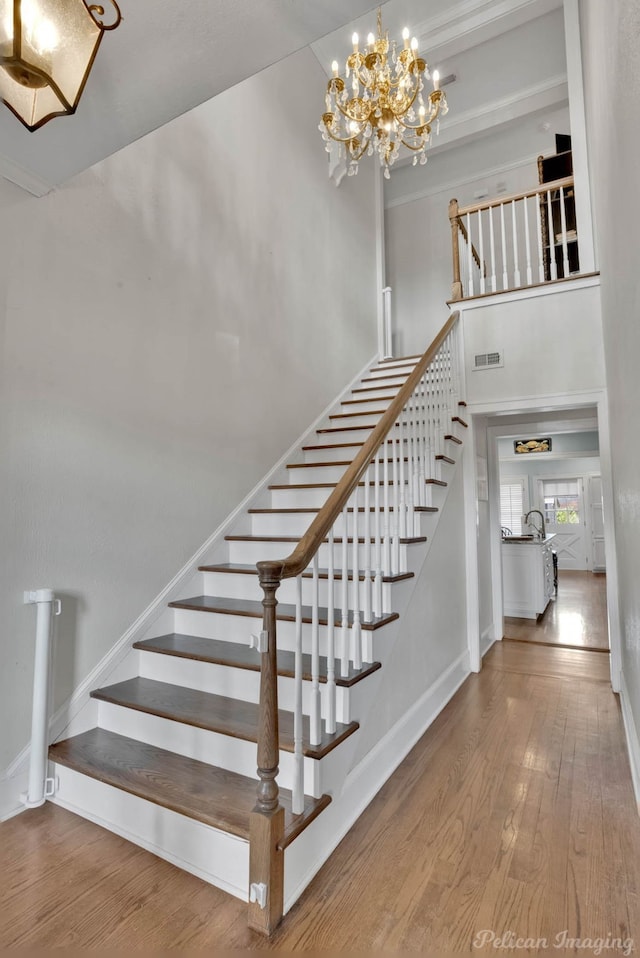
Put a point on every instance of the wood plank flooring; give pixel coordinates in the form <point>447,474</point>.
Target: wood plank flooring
<point>514,814</point>
<point>576,617</point>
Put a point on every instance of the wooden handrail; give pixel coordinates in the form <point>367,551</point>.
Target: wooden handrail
<point>309,544</point>
<point>500,201</point>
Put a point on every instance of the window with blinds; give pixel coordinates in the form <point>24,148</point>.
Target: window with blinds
<point>512,505</point>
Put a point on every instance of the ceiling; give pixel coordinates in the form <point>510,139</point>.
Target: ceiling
<point>168,57</point>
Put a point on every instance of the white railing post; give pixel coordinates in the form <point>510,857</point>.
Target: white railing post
<point>40,786</point>
<point>385,339</point>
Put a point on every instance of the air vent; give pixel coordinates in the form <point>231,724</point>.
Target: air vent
<point>488,360</point>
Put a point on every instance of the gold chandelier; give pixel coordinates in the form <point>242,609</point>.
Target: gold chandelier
<point>47,49</point>
<point>378,105</point>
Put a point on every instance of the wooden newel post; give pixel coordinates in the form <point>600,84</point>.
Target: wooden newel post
<point>456,288</point>
<point>266,828</point>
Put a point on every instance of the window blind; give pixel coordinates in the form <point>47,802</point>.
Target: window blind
<point>512,505</point>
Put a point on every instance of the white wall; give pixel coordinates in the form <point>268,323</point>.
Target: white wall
<point>551,343</point>
<point>612,79</point>
<point>170,321</point>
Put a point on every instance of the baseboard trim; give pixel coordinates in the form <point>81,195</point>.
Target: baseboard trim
<point>487,639</point>
<point>11,789</point>
<point>631,735</point>
<point>366,780</point>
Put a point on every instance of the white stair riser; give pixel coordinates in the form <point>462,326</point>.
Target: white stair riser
<point>342,453</point>
<point>354,417</point>
<point>297,523</point>
<point>328,473</point>
<point>244,586</point>
<point>239,628</point>
<point>300,498</point>
<point>344,435</point>
<point>252,552</point>
<point>385,393</point>
<point>224,751</point>
<point>242,684</point>
<point>366,402</point>
<point>214,856</point>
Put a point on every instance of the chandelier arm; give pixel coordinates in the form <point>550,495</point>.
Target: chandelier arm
<point>355,119</point>
<point>339,139</point>
<point>365,146</point>
<point>416,149</point>
<point>99,9</point>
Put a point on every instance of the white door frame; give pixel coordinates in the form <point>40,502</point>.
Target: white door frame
<point>532,406</point>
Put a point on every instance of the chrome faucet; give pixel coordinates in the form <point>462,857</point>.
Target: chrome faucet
<point>541,531</point>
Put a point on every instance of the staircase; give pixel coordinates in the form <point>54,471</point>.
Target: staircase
<point>168,755</point>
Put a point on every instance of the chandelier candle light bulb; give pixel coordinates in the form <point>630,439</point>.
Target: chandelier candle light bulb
<point>384,111</point>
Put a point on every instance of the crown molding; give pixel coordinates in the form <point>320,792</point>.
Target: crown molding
<point>23,178</point>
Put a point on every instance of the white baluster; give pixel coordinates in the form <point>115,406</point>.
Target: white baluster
<point>344,633</point>
<point>331,640</point>
<point>483,281</point>
<point>377,592</point>
<point>367,547</point>
<point>494,279</point>
<point>408,413</point>
<point>505,271</point>
<point>315,723</point>
<point>527,241</point>
<point>356,625</point>
<point>552,239</point>
<point>386,560</point>
<point>403,497</point>
<point>516,258</point>
<point>423,426</point>
<point>563,226</point>
<point>395,552</point>
<point>541,276</point>
<point>297,798</point>
<point>469,254</point>
<point>416,448</point>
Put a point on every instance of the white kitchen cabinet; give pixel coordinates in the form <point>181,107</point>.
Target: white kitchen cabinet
<point>527,577</point>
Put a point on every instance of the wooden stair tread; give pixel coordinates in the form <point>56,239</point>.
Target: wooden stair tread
<point>353,415</point>
<point>458,419</point>
<point>206,793</point>
<point>316,465</point>
<point>333,445</point>
<point>369,389</point>
<point>410,540</point>
<point>448,459</point>
<point>311,510</point>
<point>375,379</point>
<point>355,402</point>
<point>454,439</point>
<point>233,655</point>
<point>342,428</point>
<point>284,612</point>
<point>215,713</point>
<point>245,568</point>
<point>436,482</point>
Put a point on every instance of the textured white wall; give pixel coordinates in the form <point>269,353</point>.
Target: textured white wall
<point>612,79</point>
<point>170,321</point>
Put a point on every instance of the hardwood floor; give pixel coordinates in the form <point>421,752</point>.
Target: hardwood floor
<point>575,617</point>
<point>513,814</point>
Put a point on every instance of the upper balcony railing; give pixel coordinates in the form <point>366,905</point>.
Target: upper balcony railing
<point>516,241</point>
